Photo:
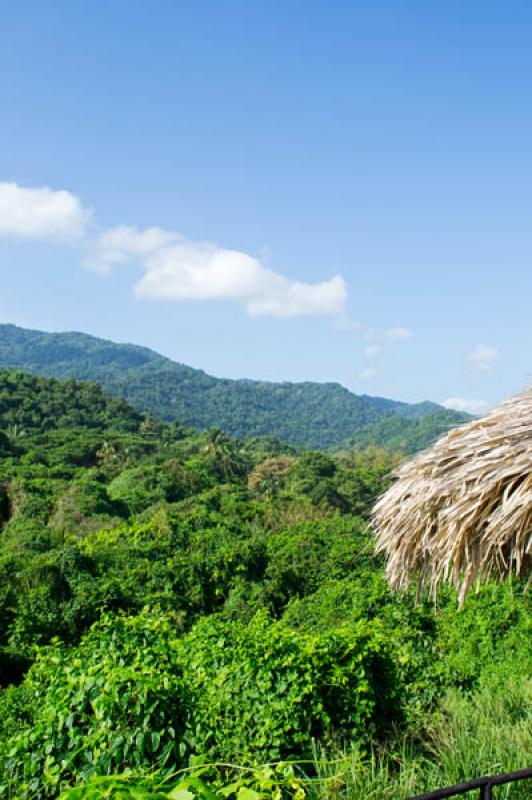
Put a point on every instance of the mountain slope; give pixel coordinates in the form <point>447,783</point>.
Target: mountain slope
<point>406,435</point>
<point>30,404</point>
<point>318,415</point>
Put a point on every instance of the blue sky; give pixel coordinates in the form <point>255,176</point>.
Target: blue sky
<point>332,191</point>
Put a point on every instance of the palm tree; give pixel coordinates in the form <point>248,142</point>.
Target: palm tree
<point>227,458</point>
<point>15,432</point>
<point>111,456</point>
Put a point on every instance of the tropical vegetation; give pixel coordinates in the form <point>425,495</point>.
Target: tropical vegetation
<point>188,615</point>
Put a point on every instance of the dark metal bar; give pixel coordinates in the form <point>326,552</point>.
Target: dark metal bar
<point>486,793</point>
<point>520,775</point>
<point>485,785</point>
<point>452,791</point>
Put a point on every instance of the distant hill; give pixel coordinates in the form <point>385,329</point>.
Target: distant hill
<point>317,415</point>
<point>32,404</point>
<point>407,435</point>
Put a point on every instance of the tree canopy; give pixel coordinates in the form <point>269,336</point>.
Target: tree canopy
<point>170,598</point>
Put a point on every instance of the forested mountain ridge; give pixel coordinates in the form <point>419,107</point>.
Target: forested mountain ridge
<point>316,415</point>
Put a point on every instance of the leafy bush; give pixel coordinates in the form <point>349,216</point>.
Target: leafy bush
<point>493,628</point>
<point>134,696</point>
<point>140,487</point>
<point>484,733</point>
<point>109,705</point>
<point>262,691</point>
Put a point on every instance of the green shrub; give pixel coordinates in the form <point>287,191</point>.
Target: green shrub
<point>262,691</point>
<point>132,696</point>
<point>487,732</point>
<point>110,704</point>
<point>494,627</point>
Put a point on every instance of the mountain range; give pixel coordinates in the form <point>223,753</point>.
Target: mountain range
<point>310,414</point>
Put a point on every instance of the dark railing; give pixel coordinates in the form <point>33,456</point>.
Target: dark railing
<point>485,785</point>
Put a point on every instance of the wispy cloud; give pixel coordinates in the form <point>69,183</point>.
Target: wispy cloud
<point>369,374</point>
<point>469,406</point>
<point>124,243</point>
<point>372,350</point>
<point>398,333</point>
<point>483,357</point>
<point>346,325</point>
<point>376,340</point>
<point>41,213</point>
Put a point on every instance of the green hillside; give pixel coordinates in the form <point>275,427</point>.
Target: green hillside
<point>314,415</point>
<point>192,617</point>
<point>32,404</point>
<point>405,435</point>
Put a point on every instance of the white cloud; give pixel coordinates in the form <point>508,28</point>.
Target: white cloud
<point>41,213</point>
<point>372,350</point>
<point>347,325</point>
<point>483,357</point>
<point>369,374</point>
<point>174,268</point>
<point>177,269</point>
<point>119,245</point>
<point>469,406</point>
<point>399,333</point>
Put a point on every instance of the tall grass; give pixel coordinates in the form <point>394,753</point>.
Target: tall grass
<point>487,733</point>
<point>384,775</point>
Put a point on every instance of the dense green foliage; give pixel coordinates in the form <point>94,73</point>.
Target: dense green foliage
<point>405,435</point>
<point>315,415</point>
<point>29,404</point>
<point>171,600</point>
<point>471,735</point>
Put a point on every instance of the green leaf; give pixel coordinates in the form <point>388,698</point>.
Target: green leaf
<point>245,793</point>
<point>201,788</point>
<point>181,794</point>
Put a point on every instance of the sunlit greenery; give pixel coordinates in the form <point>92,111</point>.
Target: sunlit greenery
<point>190,615</point>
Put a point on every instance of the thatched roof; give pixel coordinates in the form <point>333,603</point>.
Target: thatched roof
<point>463,509</point>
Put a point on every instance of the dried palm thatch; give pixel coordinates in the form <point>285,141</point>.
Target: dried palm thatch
<point>463,509</point>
